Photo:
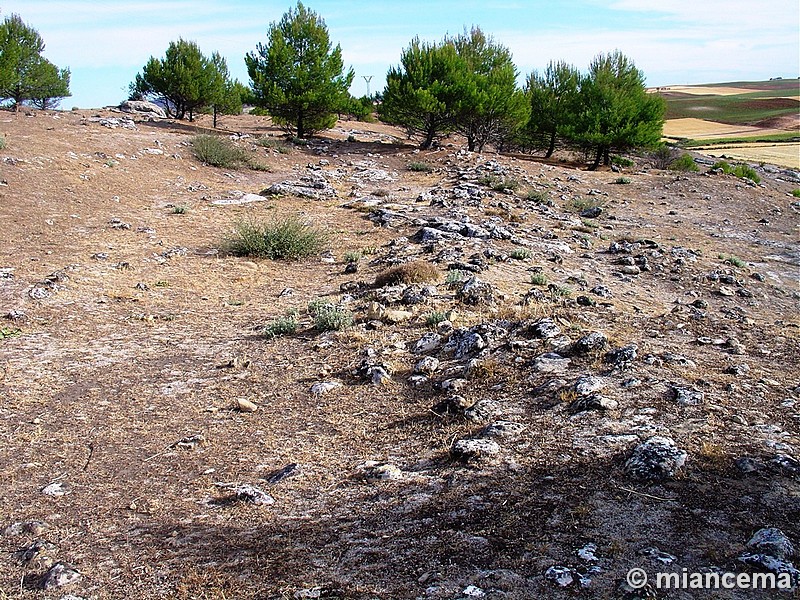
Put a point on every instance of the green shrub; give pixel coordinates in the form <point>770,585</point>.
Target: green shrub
<point>329,317</point>
<point>723,166</point>
<point>290,239</point>
<point>272,144</point>
<point>420,167</point>
<point>436,317</point>
<point>218,152</point>
<point>745,171</point>
<point>622,180</point>
<point>455,277</point>
<point>796,193</point>
<point>2,142</point>
<point>538,197</point>
<point>684,163</point>
<point>499,184</point>
<point>539,279</point>
<point>180,210</point>
<point>621,161</point>
<point>281,326</point>
<point>9,332</point>
<point>352,256</point>
<point>578,204</point>
<point>733,260</point>
<point>520,254</point>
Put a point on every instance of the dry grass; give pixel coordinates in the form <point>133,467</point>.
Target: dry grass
<point>418,271</point>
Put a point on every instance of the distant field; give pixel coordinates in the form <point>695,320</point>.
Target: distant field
<point>726,118</point>
<point>734,103</point>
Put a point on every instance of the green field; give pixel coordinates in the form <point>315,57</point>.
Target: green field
<point>768,100</point>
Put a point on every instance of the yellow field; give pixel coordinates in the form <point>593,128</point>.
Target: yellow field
<point>700,129</point>
<point>708,91</point>
<point>784,155</point>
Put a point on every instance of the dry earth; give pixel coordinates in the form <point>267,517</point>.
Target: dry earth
<point>503,472</point>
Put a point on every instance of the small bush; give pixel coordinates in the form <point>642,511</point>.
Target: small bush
<point>539,279</point>
<point>621,161</point>
<point>420,167</point>
<point>272,144</point>
<point>684,163</point>
<point>733,260</point>
<point>282,326</point>
<point>351,138</point>
<point>663,156</point>
<point>180,210</point>
<point>499,184</point>
<point>538,197</point>
<point>418,271</point>
<point>436,317</point>
<point>9,332</point>
<point>329,317</point>
<point>622,180</point>
<point>745,171</point>
<point>2,142</point>
<point>218,152</point>
<point>723,166</point>
<point>352,256</point>
<point>455,277</point>
<point>559,291</point>
<point>796,193</point>
<point>520,254</point>
<point>578,204</point>
<point>289,239</point>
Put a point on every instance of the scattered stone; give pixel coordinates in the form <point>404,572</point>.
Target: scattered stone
<point>592,212</point>
<point>60,575</point>
<point>592,342</point>
<point>245,405</point>
<point>143,108</point>
<point>56,489</point>
<point>245,492</point>
<point>324,387</point>
<point>687,397</point>
<point>561,576</point>
<point>550,362</point>
<point>587,553</point>
<point>34,550</point>
<point>786,464</point>
<point>546,329</point>
<point>748,464</point>
<point>658,556</point>
<point>772,541</point>
<point>588,384</point>
<point>373,471</point>
<point>655,459</point>
<point>32,528</point>
<point>429,342</point>
<point>622,357</point>
<point>602,291</point>
<point>463,342</point>
<point>471,448</point>
<point>592,402</point>
<point>282,473</point>
<point>427,365</point>
<point>191,442</point>
<point>476,292</point>
<point>737,370</point>
<point>502,429</point>
<point>313,186</point>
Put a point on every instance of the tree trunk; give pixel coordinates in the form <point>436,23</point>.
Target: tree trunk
<point>215,116</point>
<point>301,131</point>
<point>606,157</point>
<point>471,143</point>
<point>552,147</point>
<point>428,139</point>
<point>191,115</point>
<point>597,159</point>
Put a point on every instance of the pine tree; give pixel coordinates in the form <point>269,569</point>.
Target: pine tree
<point>25,75</point>
<point>553,96</point>
<point>298,76</point>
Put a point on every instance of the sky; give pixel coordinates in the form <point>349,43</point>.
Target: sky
<point>105,44</point>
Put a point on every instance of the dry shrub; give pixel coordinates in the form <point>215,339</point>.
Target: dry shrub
<point>418,271</point>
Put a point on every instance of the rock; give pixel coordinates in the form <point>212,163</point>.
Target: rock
<point>56,489</point>
<point>748,464</point>
<point>686,396</point>
<point>592,342</point>
<point>561,576</point>
<point>786,464</point>
<point>655,459</point>
<point>282,473</point>
<point>587,553</point>
<point>144,108</point>
<point>476,292</point>
<point>658,556</point>
<point>191,442</point>
<point>592,212</point>
<point>60,575</point>
<point>588,384</point>
<point>772,541</point>
<point>313,186</point>
<point>550,363</point>
<point>737,370</point>
<point>602,291</point>
<point>35,550</point>
<point>546,329</point>
<point>429,342</point>
<point>378,375</point>
<point>397,316</point>
<point>373,471</point>
<point>244,492</point>
<point>622,357</point>
<point>678,360</point>
<point>236,198</point>
<point>502,429</point>
<point>32,528</point>
<point>427,365</point>
<point>463,342</point>
<point>323,387</point>
<point>592,402</point>
<point>470,448</point>
<point>245,405</point>
<point>630,270</point>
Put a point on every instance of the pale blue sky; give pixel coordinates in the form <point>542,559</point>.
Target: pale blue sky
<point>673,41</point>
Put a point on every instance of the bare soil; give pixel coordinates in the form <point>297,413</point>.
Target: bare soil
<point>128,330</point>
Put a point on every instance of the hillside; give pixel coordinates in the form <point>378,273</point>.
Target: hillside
<point>602,374</point>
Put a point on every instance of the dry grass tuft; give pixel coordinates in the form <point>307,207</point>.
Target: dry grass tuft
<point>418,271</point>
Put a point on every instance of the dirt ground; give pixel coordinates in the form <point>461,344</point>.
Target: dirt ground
<point>126,332</point>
